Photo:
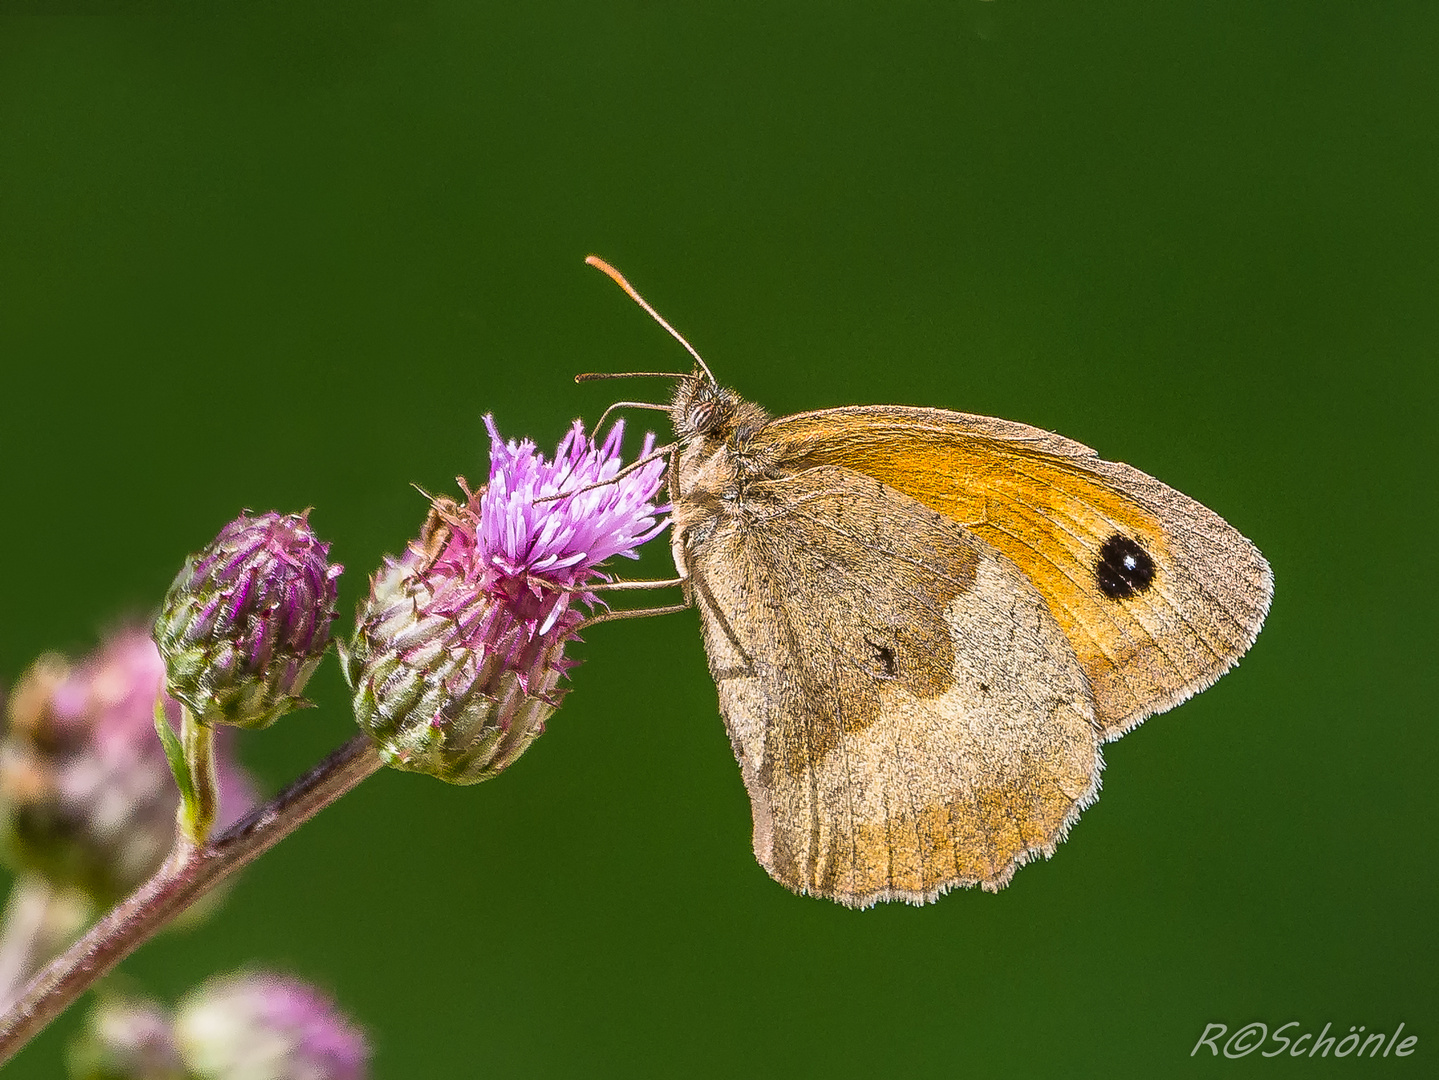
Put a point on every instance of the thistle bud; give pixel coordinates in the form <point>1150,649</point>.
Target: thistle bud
<point>458,652</point>
<point>247,620</point>
<point>261,1026</point>
<point>86,796</point>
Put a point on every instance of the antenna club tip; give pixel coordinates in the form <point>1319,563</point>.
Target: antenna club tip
<point>611,273</point>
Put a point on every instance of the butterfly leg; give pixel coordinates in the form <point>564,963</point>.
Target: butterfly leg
<point>652,456</point>
<point>617,586</point>
<point>633,613</point>
<point>698,585</point>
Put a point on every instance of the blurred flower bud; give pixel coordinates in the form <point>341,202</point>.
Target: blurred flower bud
<point>86,795</point>
<point>127,1039</point>
<point>261,1026</point>
<point>458,652</point>
<point>247,620</point>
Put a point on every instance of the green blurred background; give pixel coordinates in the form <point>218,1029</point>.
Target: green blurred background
<point>290,257</point>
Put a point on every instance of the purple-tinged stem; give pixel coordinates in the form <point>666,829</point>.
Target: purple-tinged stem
<point>187,874</point>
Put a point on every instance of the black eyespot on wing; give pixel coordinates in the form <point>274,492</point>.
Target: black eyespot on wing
<point>1124,568</point>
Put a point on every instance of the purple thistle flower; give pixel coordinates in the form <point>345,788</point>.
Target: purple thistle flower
<point>86,796</point>
<point>263,1026</point>
<point>459,650</point>
<point>247,620</point>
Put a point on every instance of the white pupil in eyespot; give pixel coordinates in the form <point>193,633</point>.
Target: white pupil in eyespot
<point>1129,563</point>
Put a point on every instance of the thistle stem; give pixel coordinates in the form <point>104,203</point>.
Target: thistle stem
<point>190,871</point>
<point>197,817</point>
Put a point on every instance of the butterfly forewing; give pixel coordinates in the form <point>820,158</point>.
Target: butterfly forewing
<point>1157,595</point>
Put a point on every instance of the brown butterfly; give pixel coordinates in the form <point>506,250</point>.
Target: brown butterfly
<point>924,625</point>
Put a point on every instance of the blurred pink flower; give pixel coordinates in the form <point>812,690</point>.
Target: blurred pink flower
<point>86,796</point>
<point>263,1026</point>
<point>248,1026</point>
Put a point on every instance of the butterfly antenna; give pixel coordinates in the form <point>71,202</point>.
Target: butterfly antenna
<point>626,405</point>
<point>619,279</point>
<point>595,376</point>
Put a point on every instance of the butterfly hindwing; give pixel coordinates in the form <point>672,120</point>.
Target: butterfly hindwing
<point>907,714</point>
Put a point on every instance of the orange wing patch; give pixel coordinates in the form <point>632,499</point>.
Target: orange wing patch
<point>1050,505</point>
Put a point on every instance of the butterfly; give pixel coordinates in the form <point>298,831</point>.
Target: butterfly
<point>924,625</point>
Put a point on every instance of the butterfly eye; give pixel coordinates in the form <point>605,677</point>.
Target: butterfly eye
<point>705,416</point>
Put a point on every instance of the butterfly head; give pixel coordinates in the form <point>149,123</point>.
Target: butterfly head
<point>702,409</point>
